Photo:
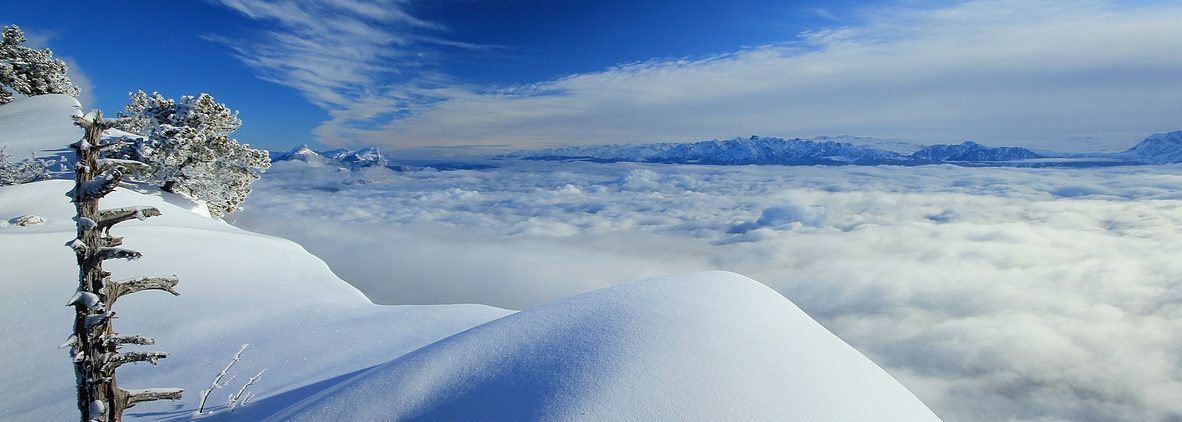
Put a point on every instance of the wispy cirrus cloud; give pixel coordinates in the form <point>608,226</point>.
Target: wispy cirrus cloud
<point>1088,75</point>
<point>1076,76</point>
<point>354,59</point>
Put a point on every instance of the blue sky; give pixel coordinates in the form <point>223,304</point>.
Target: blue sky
<point>452,75</point>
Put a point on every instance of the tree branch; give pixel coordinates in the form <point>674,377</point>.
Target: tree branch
<point>111,217</point>
<point>152,394</point>
<point>104,254</point>
<point>113,291</point>
<point>116,341</point>
<point>115,360</point>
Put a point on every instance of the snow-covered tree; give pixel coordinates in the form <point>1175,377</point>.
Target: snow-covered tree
<point>24,171</point>
<point>95,347</point>
<point>188,145</point>
<point>28,71</point>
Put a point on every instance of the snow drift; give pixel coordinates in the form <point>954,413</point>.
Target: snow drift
<point>708,346</point>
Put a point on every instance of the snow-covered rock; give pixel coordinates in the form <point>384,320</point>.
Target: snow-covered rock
<point>708,346</point>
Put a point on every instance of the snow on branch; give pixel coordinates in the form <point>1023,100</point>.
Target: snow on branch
<point>99,186</point>
<point>243,397</point>
<point>217,379</point>
<point>103,254</point>
<point>115,360</point>
<point>113,291</point>
<point>87,299</point>
<point>116,341</point>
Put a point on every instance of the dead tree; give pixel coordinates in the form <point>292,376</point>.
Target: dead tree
<point>95,346</point>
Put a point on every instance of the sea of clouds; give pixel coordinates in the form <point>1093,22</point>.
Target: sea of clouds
<point>992,293</point>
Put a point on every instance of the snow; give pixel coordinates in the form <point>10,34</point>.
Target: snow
<point>39,124</point>
<point>707,346</point>
<point>236,287</point>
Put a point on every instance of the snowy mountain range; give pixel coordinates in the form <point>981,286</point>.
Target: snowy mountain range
<point>341,157</point>
<point>1161,148</point>
<point>1156,149</point>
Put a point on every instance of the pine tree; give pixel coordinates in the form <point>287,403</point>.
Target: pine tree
<point>27,71</point>
<point>24,171</point>
<point>188,145</point>
<point>95,346</point>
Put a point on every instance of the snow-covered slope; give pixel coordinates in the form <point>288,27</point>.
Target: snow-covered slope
<point>28,122</point>
<point>237,287</point>
<point>708,346</point>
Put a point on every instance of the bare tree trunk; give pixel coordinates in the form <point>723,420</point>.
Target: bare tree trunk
<point>95,344</point>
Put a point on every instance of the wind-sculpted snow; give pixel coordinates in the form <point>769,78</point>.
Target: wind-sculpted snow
<point>992,293</point>
<point>698,347</point>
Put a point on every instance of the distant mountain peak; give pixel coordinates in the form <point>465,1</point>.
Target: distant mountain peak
<point>969,151</point>
<point>1158,148</point>
<point>364,157</point>
<point>757,149</point>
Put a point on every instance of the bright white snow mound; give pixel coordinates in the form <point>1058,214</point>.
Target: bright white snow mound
<point>28,123</point>
<point>709,347</point>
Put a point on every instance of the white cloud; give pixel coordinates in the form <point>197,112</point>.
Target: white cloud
<point>994,294</point>
<point>1041,74</point>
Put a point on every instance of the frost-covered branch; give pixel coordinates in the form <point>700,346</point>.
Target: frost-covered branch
<point>114,290</point>
<point>116,360</point>
<point>239,399</point>
<point>217,379</point>
<point>116,341</point>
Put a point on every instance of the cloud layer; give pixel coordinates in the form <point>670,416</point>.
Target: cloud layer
<point>1080,76</point>
<point>992,293</point>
